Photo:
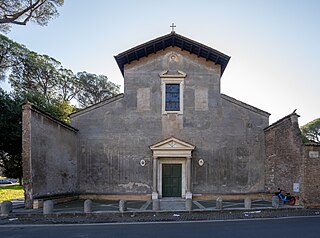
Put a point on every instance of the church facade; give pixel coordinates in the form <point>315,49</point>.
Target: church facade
<point>172,133</point>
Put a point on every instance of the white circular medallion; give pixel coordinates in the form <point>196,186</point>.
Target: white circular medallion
<point>201,162</point>
<point>142,162</point>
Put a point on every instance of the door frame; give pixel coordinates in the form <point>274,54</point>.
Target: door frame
<point>181,161</point>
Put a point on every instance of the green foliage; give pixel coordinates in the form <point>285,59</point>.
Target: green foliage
<point>60,109</point>
<point>311,131</point>
<point>94,88</point>
<point>36,73</point>
<point>11,54</point>
<point>10,123</point>
<point>10,135</point>
<point>11,192</point>
<point>20,12</point>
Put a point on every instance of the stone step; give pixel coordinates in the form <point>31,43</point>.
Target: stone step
<point>172,204</point>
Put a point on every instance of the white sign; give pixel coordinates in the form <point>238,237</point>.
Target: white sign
<point>296,187</point>
<point>313,154</point>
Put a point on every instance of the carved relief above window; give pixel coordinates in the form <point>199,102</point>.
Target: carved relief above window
<point>172,86</point>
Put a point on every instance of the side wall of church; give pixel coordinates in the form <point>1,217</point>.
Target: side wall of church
<point>115,137</point>
<point>284,155</point>
<point>49,156</point>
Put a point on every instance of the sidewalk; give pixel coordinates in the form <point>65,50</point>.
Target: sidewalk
<point>140,206</point>
<point>141,211</point>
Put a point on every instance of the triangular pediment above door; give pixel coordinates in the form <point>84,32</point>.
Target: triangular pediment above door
<point>172,147</point>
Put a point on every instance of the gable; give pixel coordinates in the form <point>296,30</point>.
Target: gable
<point>172,147</point>
<point>172,143</point>
<point>169,40</point>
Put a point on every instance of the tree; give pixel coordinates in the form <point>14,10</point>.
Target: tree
<point>94,88</point>
<point>10,135</point>
<point>311,130</point>
<point>11,54</point>
<point>68,84</point>
<point>20,12</point>
<point>36,73</point>
<point>58,108</point>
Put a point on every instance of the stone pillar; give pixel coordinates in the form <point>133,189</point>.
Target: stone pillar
<point>275,201</point>
<point>219,204</point>
<point>247,203</point>
<point>87,206</point>
<point>122,205</point>
<point>188,204</point>
<point>48,207</point>
<point>6,208</point>
<point>188,170</point>
<point>155,204</point>
<point>26,154</point>
<point>155,194</point>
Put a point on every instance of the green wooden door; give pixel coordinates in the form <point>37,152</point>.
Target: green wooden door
<point>171,180</point>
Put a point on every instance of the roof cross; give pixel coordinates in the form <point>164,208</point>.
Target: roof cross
<point>173,26</point>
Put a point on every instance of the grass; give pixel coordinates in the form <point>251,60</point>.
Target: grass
<point>11,192</point>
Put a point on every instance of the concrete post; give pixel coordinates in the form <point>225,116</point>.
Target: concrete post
<point>155,204</point>
<point>275,201</point>
<point>188,204</point>
<point>219,204</point>
<point>122,205</point>
<point>6,208</point>
<point>48,207</point>
<point>247,203</point>
<point>87,206</point>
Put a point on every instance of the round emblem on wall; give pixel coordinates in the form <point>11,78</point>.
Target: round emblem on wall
<point>142,162</point>
<point>201,162</point>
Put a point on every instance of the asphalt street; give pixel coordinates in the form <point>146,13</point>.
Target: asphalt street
<point>304,227</point>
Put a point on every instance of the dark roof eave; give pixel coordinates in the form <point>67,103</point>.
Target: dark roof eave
<point>168,40</point>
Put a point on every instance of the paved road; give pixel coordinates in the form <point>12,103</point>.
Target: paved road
<point>292,227</point>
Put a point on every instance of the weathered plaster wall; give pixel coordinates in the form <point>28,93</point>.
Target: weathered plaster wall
<point>311,188</point>
<point>49,155</point>
<point>115,135</point>
<point>284,155</point>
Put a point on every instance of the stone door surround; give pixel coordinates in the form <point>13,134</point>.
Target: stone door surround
<point>172,151</point>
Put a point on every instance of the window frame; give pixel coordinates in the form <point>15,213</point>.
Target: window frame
<point>172,79</point>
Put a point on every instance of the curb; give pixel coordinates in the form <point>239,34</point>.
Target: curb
<point>159,216</point>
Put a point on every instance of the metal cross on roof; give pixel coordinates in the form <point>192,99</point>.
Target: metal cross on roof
<point>173,26</point>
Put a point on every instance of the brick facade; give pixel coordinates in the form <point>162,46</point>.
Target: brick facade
<point>311,188</point>
<point>284,153</point>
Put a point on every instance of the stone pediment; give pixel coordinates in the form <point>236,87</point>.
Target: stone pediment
<point>172,147</point>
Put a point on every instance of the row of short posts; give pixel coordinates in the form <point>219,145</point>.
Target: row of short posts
<point>6,206</point>
<point>219,203</point>
<point>87,206</point>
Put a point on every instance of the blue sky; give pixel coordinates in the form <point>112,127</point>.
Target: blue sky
<point>274,45</point>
